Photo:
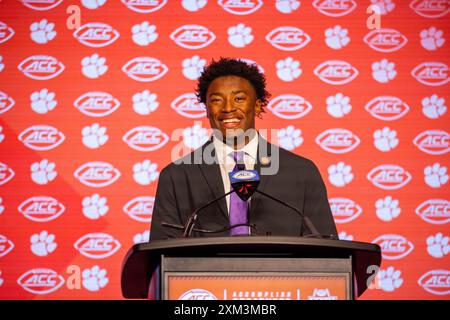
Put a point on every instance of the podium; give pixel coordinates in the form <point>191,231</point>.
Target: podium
<point>249,268</point>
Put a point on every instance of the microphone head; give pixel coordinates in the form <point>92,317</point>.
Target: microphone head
<point>244,183</point>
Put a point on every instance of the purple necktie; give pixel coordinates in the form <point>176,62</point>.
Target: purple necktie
<point>238,207</point>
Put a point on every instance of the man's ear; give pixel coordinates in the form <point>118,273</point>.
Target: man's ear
<point>258,108</point>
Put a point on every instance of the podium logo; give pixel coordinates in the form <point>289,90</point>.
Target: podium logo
<point>42,137</point>
<point>6,173</point>
<point>197,294</point>
<point>240,7</point>
<point>336,72</point>
<point>322,294</point>
<point>192,36</point>
<point>145,138</point>
<point>389,177</point>
<point>338,140</point>
<point>344,210</point>
<point>188,106</point>
<point>97,104</point>
<point>335,8</point>
<point>289,106</point>
<point>288,38</point>
<point>96,34</point>
<point>436,282</point>
<point>140,208</point>
<point>385,40</point>
<point>97,245</point>
<point>41,5</point>
<point>431,73</point>
<point>145,69</point>
<point>41,208</point>
<point>433,142</point>
<point>387,108</point>
<point>41,281</point>
<point>41,67</point>
<point>434,211</point>
<point>5,32</point>
<point>6,246</point>
<point>97,174</point>
<point>430,9</point>
<point>6,102</point>
<point>394,246</point>
<point>144,6</point>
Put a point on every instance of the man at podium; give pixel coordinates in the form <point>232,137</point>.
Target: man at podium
<point>234,93</point>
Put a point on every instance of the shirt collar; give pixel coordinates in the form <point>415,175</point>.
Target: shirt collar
<point>223,150</point>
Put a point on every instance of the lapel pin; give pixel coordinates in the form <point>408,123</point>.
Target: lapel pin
<point>265,161</point>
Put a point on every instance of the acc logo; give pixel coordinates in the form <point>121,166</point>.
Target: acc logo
<point>192,36</point>
<point>436,282</point>
<point>387,108</point>
<point>335,8</point>
<point>97,174</point>
<point>97,245</point>
<point>41,208</point>
<point>288,38</point>
<point>6,173</point>
<point>96,34</point>
<point>431,73</point>
<point>240,7</point>
<point>97,104</point>
<point>41,67</point>
<point>289,106</point>
<point>344,210</point>
<point>385,40</point>
<point>145,69</point>
<point>435,211</point>
<point>140,208</point>
<point>6,245</point>
<point>5,32</point>
<point>188,106</point>
<point>430,9</point>
<point>144,6</point>
<point>322,294</point>
<point>336,72</point>
<point>243,175</point>
<point>389,177</point>
<point>41,4</point>
<point>197,294</point>
<point>338,140</point>
<point>394,246</point>
<point>433,142</point>
<point>41,281</point>
<point>145,138</point>
<point>6,102</point>
<point>42,137</point>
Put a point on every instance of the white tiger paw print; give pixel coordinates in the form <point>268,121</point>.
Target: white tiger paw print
<point>240,35</point>
<point>383,71</point>
<point>2,136</point>
<point>433,107</point>
<point>385,6</point>
<point>143,237</point>
<point>336,37</point>
<point>340,174</point>
<point>145,102</point>
<point>435,175</point>
<point>43,101</point>
<point>43,172</point>
<point>144,33</point>
<point>94,66</point>
<point>192,67</point>
<point>145,172</point>
<point>437,245</point>
<point>344,236</point>
<point>288,69</point>
<point>94,279</point>
<point>385,139</point>
<point>390,279</point>
<point>2,66</point>
<point>193,5</point>
<point>42,244</point>
<point>290,138</point>
<point>94,136</point>
<point>387,209</point>
<point>431,39</point>
<point>195,136</point>
<point>93,4</point>
<point>94,206</point>
<point>338,105</point>
<point>287,6</point>
<point>2,207</point>
<point>42,31</point>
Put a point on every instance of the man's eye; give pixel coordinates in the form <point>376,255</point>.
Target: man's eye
<point>240,98</point>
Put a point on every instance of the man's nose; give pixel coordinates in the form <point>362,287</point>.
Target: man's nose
<point>228,106</point>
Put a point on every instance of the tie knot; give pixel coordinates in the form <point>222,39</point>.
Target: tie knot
<point>238,156</point>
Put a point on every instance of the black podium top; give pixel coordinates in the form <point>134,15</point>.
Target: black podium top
<point>142,259</point>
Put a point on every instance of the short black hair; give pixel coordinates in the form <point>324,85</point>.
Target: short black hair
<point>233,67</point>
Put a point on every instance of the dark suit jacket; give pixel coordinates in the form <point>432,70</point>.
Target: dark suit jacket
<point>182,188</point>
